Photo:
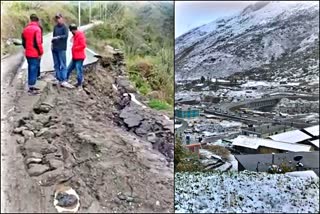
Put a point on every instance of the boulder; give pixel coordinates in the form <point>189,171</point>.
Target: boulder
<point>37,169</point>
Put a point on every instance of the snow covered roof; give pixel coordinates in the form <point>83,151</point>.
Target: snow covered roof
<point>308,173</point>
<point>315,142</point>
<point>294,136</point>
<point>313,130</point>
<point>255,143</point>
<point>309,160</point>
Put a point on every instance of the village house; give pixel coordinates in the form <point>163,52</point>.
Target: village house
<point>254,145</point>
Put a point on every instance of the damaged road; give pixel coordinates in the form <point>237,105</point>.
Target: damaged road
<point>103,143</point>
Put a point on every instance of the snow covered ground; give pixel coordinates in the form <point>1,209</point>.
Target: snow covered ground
<point>245,192</point>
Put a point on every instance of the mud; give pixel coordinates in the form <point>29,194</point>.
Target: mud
<point>115,154</point>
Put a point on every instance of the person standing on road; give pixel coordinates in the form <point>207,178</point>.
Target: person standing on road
<point>32,43</point>
<point>59,47</point>
<point>78,54</point>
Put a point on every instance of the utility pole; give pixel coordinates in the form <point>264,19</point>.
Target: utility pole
<point>79,11</point>
<point>90,12</point>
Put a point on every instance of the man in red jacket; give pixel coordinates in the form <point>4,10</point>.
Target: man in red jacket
<point>32,43</point>
<point>78,54</point>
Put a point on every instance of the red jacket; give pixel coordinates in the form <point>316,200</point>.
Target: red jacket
<point>79,46</point>
<point>32,40</point>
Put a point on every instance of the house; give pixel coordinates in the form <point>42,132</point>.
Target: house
<point>187,113</point>
<point>194,148</point>
<point>312,131</point>
<point>294,136</point>
<point>315,144</point>
<point>310,161</point>
<point>254,145</point>
<point>265,130</point>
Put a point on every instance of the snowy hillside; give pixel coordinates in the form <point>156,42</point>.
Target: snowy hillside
<point>245,192</point>
<point>264,35</point>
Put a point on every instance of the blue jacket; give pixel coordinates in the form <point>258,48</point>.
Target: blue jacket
<point>61,43</point>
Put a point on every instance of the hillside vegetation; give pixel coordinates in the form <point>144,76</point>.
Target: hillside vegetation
<point>145,33</point>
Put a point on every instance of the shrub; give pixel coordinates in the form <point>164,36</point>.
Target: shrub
<point>218,150</point>
<point>159,105</point>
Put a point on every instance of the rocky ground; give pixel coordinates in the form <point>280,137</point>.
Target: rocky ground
<point>100,141</point>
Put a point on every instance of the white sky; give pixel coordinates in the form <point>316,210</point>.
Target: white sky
<point>191,14</point>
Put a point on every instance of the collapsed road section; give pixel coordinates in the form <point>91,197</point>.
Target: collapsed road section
<point>100,141</point>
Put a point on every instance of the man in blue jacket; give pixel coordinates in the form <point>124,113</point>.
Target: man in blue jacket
<point>59,47</point>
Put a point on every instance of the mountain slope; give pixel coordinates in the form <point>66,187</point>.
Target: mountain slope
<point>261,36</point>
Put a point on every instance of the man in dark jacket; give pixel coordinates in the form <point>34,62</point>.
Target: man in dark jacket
<point>32,43</point>
<point>78,54</point>
<point>59,47</point>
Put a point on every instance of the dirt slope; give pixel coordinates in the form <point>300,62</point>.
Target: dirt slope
<point>116,154</point>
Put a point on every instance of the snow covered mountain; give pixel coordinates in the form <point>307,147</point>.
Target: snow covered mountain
<point>277,39</point>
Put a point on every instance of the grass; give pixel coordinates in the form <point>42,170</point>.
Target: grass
<point>159,105</point>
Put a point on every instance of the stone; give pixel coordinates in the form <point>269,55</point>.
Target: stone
<point>33,160</point>
<point>27,134</point>
<point>34,155</point>
<point>20,140</point>
<point>39,146</point>
<point>152,138</point>
<point>33,125</point>
<point>42,131</point>
<point>19,130</point>
<point>55,163</point>
<point>66,200</point>
<point>133,121</point>
<point>56,176</point>
<point>37,169</point>
<point>42,109</point>
<point>41,118</point>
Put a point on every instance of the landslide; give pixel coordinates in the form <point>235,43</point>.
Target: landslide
<point>115,153</point>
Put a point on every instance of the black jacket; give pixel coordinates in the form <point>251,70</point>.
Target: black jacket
<point>63,32</point>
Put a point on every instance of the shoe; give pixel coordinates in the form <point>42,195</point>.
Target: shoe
<point>33,92</point>
<point>35,88</point>
<point>66,85</point>
<point>55,82</point>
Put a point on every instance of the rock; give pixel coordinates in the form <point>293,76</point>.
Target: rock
<point>42,131</point>
<point>19,130</point>
<point>41,118</point>
<point>130,199</point>
<point>42,109</point>
<point>152,137</point>
<point>131,117</point>
<point>39,146</point>
<point>125,83</point>
<point>133,121</point>
<point>122,196</point>
<point>27,134</point>
<point>51,133</point>
<point>55,163</point>
<point>33,125</point>
<point>20,140</point>
<point>37,169</point>
<point>34,155</point>
<point>66,200</point>
<point>33,160</point>
<point>56,176</point>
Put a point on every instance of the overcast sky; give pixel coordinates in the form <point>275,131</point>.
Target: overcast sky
<point>191,14</point>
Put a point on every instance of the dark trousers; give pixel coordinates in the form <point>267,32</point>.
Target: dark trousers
<point>39,72</point>
<point>78,65</point>
<point>33,69</point>
<point>60,67</point>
